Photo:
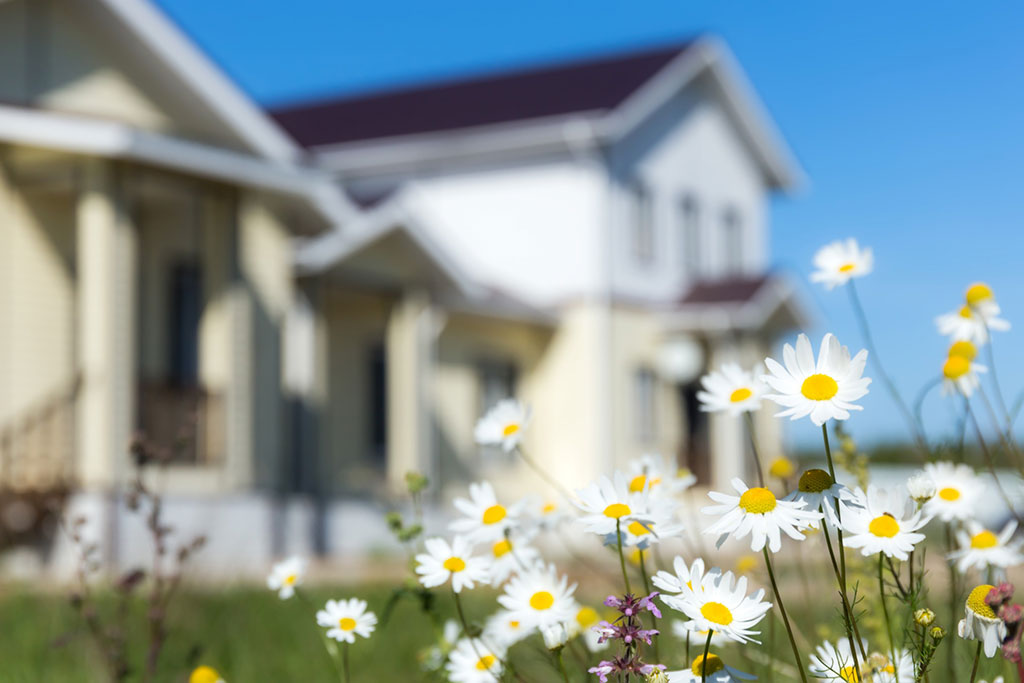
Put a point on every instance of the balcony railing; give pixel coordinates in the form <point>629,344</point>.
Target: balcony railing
<point>186,423</point>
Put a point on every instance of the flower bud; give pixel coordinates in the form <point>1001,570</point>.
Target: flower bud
<point>921,487</point>
<point>555,636</point>
<point>937,633</point>
<point>924,617</point>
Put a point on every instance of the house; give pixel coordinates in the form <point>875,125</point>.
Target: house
<point>304,305</point>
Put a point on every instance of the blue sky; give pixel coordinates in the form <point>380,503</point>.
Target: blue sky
<point>908,118</point>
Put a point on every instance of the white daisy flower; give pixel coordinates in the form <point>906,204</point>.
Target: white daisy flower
<point>345,619</point>
<point>660,525</point>
<point>485,518</point>
<point>885,523</point>
<point>539,597</point>
<point>504,630</point>
<point>970,324</point>
<point>957,491</point>
<point>713,671</point>
<point>546,513</point>
<point>819,491</point>
<point>555,636</point>
<point>960,375</point>
<point>756,511</point>
<point>442,562</point>
<point>981,298</point>
<point>436,655</point>
<point>835,662</point>
<point>688,629</point>
<point>881,668</point>
<point>731,389</point>
<point>583,626</point>
<point>980,621</point>
<point>508,556</point>
<point>654,472</point>
<point>684,579</point>
<point>981,548</point>
<point>717,604</point>
<point>503,424</point>
<point>823,390</point>
<point>921,487</point>
<point>473,662</point>
<point>839,261</point>
<point>608,505</point>
<point>286,575</point>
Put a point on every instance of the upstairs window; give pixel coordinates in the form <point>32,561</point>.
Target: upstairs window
<point>732,242</point>
<point>690,242</point>
<point>642,226</point>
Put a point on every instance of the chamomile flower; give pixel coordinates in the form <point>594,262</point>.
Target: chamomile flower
<point>839,261</point>
<point>546,513</point>
<point>682,582</point>
<point>957,491</point>
<point>503,425</point>
<point>286,575</point>
<point>819,491</point>
<point>730,389</point>
<point>980,621</point>
<point>822,390</point>
<point>980,297</point>
<point>719,604</point>
<point>205,674</point>
<point>539,597</point>
<point>583,626</point>
<point>885,523</point>
<point>510,555</point>
<point>485,519</point>
<point>688,629</point>
<point>712,670</point>
<point>609,505</point>
<point>782,468</point>
<point>835,662</point>
<point>660,524</point>
<point>346,619</point>
<point>960,375</point>
<point>883,668</point>
<point>442,562</point>
<point>504,630</point>
<point>473,662</point>
<point>756,511</point>
<point>654,473</point>
<point>981,548</point>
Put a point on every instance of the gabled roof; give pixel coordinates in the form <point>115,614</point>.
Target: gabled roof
<point>593,85</point>
<point>764,304</point>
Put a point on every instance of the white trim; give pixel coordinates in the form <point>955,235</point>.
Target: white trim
<point>752,314</point>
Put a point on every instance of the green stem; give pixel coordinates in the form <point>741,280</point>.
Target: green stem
<point>753,448</point>
<point>468,634</point>
<point>990,464</point>
<point>344,660</point>
<point>704,661</point>
<point>852,632</point>
<point>977,657</point>
<point>647,589</point>
<point>885,609</point>
<point>561,665</point>
<point>785,618</point>
<point>950,658</point>
<point>622,557</point>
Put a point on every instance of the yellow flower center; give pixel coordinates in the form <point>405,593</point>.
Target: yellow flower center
<point>976,601</point>
<point>966,312</point>
<point>740,395</point>
<point>964,349</point>
<point>204,674</point>
<point>977,293</point>
<point>716,613</point>
<point>815,481</point>
<point>501,548</point>
<point>494,514</point>
<point>984,539</point>
<point>782,468</point>
<point>549,508</point>
<point>819,387</point>
<point>513,624</point>
<point>638,529</point>
<point>346,623</point>
<point>542,600</point>
<point>291,579</point>
<point>509,430</point>
<point>617,510</point>
<point>485,662</point>
<point>956,367</point>
<point>757,501</point>
<point>637,483</point>
<point>849,674</point>
<point>745,564</point>
<point>587,617</point>
<point>949,494</point>
<point>884,526</point>
<point>454,564</point>
<point>706,667</point>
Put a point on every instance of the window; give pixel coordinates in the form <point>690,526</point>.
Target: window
<point>185,309</point>
<point>497,383</point>
<point>645,385</point>
<point>643,225</point>
<point>689,236</point>
<point>732,242</point>
<point>378,402</point>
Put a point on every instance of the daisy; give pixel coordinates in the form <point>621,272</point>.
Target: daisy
<point>823,390</point>
<point>839,261</point>
<point>712,670</point>
<point>960,375</point>
<point>583,625</point>
<point>609,505</point>
<point>205,674</point>
<point>836,662</point>
<point>654,473</point>
<point>980,621</point>
<point>546,514</point>
<point>968,324</point>
<point>782,468</point>
<point>683,580</point>
<point>880,668</point>
<point>285,576</point>
<point>504,630</point>
<point>756,511</point>
<point>957,491</point>
<point>981,548</point>
<point>345,619</point>
<point>539,597</point>
<point>980,297</point>
<point>730,389</point>
<point>508,557</point>
<point>471,661</point>
<point>660,525</point>
<point>688,629</point>
<point>885,522</point>
<point>485,518</point>
<point>719,605</point>
<point>503,424</point>
<point>442,562</point>
<point>819,491</point>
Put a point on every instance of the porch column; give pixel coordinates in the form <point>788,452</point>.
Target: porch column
<point>410,355</point>
<point>106,268</point>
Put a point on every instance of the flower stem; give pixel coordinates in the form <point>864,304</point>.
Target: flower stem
<point>704,661</point>
<point>852,632</point>
<point>344,660</point>
<point>885,609</point>
<point>561,665</point>
<point>622,557</point>
<point>467,633</point>
<point>753,448</point>
<point>991,466</point>
<point>785,618</point>
<point>974,668</point>
<point>647,591</point>
<point>953,580</point>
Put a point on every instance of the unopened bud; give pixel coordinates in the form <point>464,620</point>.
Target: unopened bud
<point>921,488</point>
<point>937,633</point>
<point>924,617</point>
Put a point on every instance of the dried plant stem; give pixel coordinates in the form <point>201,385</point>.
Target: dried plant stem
<point>782,608</point>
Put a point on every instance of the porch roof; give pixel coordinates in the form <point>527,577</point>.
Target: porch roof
<point>763,303</point>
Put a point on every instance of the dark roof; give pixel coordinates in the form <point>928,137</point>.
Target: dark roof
<point>594,84</point>
<point>732,290</point>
